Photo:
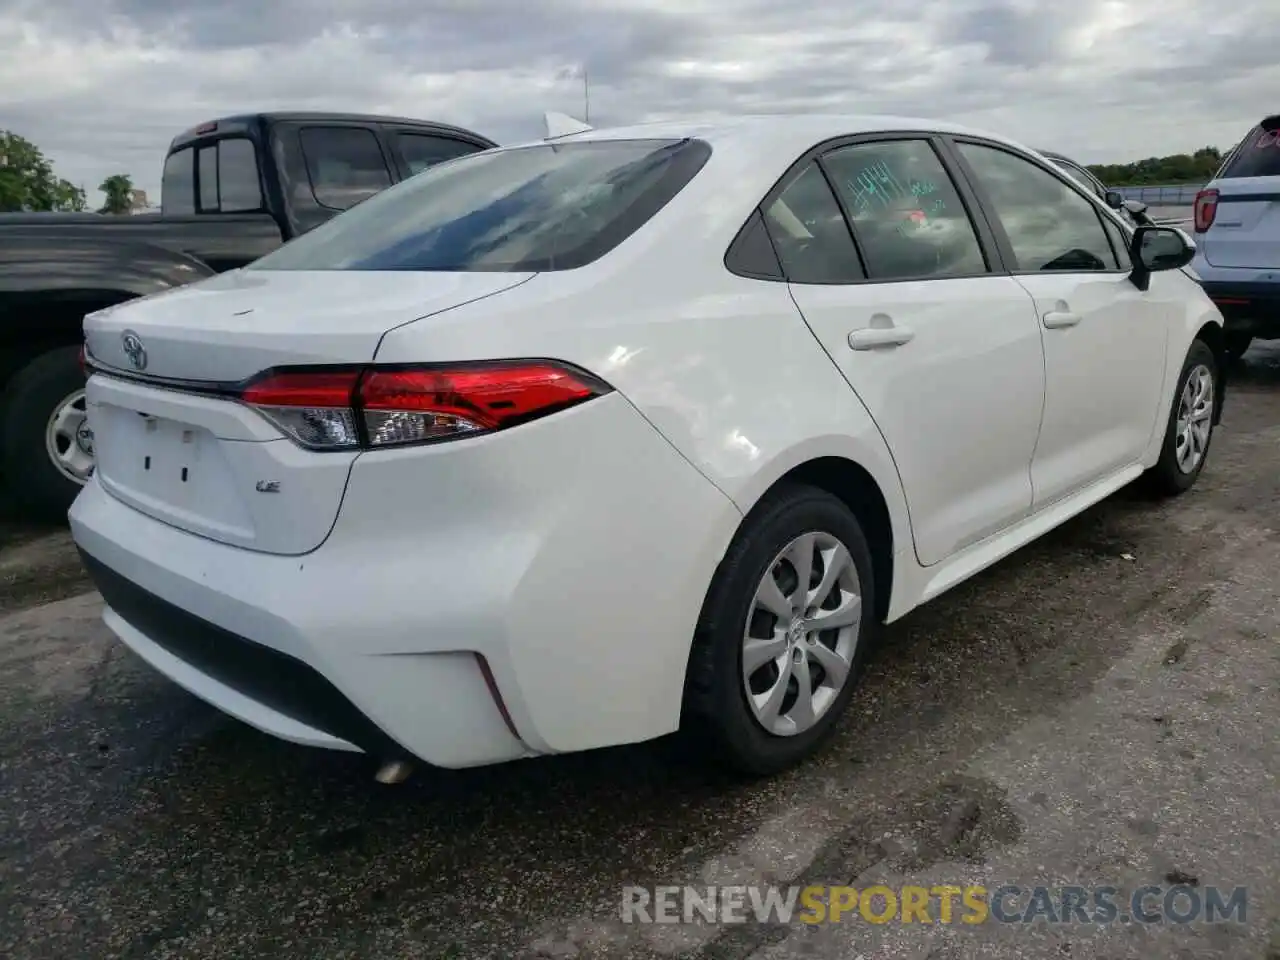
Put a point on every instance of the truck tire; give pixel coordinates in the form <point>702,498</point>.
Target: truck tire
<point>46,448</point>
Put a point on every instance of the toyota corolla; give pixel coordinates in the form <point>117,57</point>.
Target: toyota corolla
<point>594,439</point>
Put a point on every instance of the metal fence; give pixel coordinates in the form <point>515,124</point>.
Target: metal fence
<point>1169,195</point>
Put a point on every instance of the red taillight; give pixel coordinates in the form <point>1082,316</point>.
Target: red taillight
<point>303,389</point>
<point>379,406</point>
<point>84,363</point>
<point>1206,208</point>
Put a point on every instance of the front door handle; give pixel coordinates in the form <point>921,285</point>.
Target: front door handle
<point>1060,319</point>
<point>874,338</point>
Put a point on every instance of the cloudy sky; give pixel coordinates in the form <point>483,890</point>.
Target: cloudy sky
<point>102,85</point>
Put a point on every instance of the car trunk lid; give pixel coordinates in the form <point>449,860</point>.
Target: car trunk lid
<point>233,326</point>
<point>172,439</point>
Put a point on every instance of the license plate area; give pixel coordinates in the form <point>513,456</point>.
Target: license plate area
<point>172,470</point>
<point>164,459</point>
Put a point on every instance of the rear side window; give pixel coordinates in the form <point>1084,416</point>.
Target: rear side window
<point>178,183</point>
<point>345,165</point>
<point>239,186</point>
<point>228,176</point>
<point>906,213</point>
<point>421,151</point>
<point>539,208</point>
<point>207,165</point>
<point>1257,156</point>
<point>810,234</point>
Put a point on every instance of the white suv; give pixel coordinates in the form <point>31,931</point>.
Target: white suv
<point>1237,225</point>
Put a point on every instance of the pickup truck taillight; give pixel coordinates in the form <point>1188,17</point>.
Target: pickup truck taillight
<point>348,408</point>
<point>1206,208</point>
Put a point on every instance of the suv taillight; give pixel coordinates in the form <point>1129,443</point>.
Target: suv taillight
<point>1206,208</point>
<point>346,408</point>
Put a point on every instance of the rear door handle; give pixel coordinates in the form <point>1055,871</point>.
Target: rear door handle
<point>875,338</point>
<point>1060,319</point>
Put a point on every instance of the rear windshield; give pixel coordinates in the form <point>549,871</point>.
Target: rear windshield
<point>545,207</point>
<point>1257,156</point>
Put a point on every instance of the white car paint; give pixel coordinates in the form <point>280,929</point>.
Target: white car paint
<point>574,552</point>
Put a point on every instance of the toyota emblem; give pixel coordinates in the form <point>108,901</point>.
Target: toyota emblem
<point>134,350</point>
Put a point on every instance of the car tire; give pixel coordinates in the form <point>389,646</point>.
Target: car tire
<point>1175,473</point>
<point>1237,345</point>
<point>719,716</point>
<point>51,383</point>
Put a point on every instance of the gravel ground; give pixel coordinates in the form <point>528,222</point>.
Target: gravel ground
<point>1101,708</point>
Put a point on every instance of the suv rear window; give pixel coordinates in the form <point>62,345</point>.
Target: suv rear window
<point>552,206</point>
<point>1257,156</point>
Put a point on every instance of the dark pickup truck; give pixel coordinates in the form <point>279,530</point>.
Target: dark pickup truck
<point>233,190</point>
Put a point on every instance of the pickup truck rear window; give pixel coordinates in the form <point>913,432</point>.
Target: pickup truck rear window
<point>1257,156</point>
<point>178,183</point>
<point>228,178</point>
<point>553,206</point>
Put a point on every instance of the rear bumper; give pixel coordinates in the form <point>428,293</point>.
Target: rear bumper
<point>1249,305</point>
<point>570,557</point>
<point>262,686</point>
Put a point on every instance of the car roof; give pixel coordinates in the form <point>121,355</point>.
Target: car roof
<point>814,127</point>
<point>242,122</point>
<point>751,152</point>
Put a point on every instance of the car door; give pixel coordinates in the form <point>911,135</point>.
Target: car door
<point>894,279</point>
<point>1104,339</point>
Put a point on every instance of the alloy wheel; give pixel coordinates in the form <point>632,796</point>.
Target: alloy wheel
<point>802,632</point>
<point>1195,419</point>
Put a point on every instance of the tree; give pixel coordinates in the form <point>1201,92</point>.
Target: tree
<point>118,189</point>
<point>27,181</point>
<point>70,198</point>
<point>1197,167</point>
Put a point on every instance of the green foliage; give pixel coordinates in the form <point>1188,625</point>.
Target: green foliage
<point>1198,167</point>
<point>118,189</point>
<point>27,180</point>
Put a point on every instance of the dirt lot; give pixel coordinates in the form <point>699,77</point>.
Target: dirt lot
<point>1102,708</point>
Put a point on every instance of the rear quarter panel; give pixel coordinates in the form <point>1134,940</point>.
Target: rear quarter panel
<point>722,366</point>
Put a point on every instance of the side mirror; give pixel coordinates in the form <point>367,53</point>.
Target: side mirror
<point>1135,207</point>
<point>1155,249</point>
<point>1115,200</point>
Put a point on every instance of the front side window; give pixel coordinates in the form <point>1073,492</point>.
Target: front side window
<point>178,183</point>
<point>1120,241</point>
<point>907,215</point>
<point>1050,226</point>
<point>421,151</point>
<point>345,165</point>
<point>539,208</point>
<point>810,234</point>
<point>1081,176</point>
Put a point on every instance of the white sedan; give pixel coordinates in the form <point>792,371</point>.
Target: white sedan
<point>586,441</point>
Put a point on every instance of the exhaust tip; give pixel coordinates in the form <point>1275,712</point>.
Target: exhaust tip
<point>394,771</point>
